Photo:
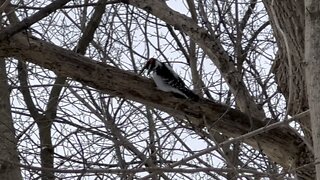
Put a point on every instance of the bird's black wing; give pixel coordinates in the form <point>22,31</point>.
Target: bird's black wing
<point>173,79</point>
<point>169,76</point>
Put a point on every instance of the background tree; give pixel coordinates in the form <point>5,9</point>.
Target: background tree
<point>312,29</point>
<point>79,109</point>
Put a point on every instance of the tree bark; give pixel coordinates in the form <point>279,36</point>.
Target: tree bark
<point>8,142</point>
<point>210,45</point>
<point>281,144</point>
<point>312,54</point>
<point>290,17</point>
<point>288,23</point>
<point>44,121</point>
<point>288,66</point>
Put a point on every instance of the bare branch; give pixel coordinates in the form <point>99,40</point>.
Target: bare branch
<point>24,24</point>
<point>121,83</point>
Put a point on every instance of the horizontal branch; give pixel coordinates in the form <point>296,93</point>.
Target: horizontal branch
<point>210,44</point>
<point>281,144</point>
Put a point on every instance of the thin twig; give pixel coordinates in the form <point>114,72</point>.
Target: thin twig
<point>27,22</point>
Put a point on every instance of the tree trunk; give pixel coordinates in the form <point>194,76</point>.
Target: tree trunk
<point>8,143</point>
<point>281,144</point>
<point>288,20</point>
<point>312,54</point>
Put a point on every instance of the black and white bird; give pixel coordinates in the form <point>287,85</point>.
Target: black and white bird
<point>167,80</point>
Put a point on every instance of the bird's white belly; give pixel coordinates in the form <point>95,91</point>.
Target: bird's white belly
<point>163,86</point>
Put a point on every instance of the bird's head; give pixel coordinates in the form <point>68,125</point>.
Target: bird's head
<point>151,65</point>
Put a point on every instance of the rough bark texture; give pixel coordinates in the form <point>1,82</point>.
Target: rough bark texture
<point>290,15</point>
<point>312,54</point>
<point>281,144</point>
<point>289,33</point>
<point>8,142</point>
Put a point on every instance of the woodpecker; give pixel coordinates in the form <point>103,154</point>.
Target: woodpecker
<point>167,80</point>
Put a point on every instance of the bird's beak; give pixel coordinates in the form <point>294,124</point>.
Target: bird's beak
<point>145,66</point>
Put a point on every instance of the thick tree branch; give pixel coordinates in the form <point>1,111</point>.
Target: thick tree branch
<point>291,17</point>
<point>210,44</point>
<point>281,144</point>
<point>8,142</point>
<point>312,53</point>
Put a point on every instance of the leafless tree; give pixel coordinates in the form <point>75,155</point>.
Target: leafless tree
<point>74,106</point>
